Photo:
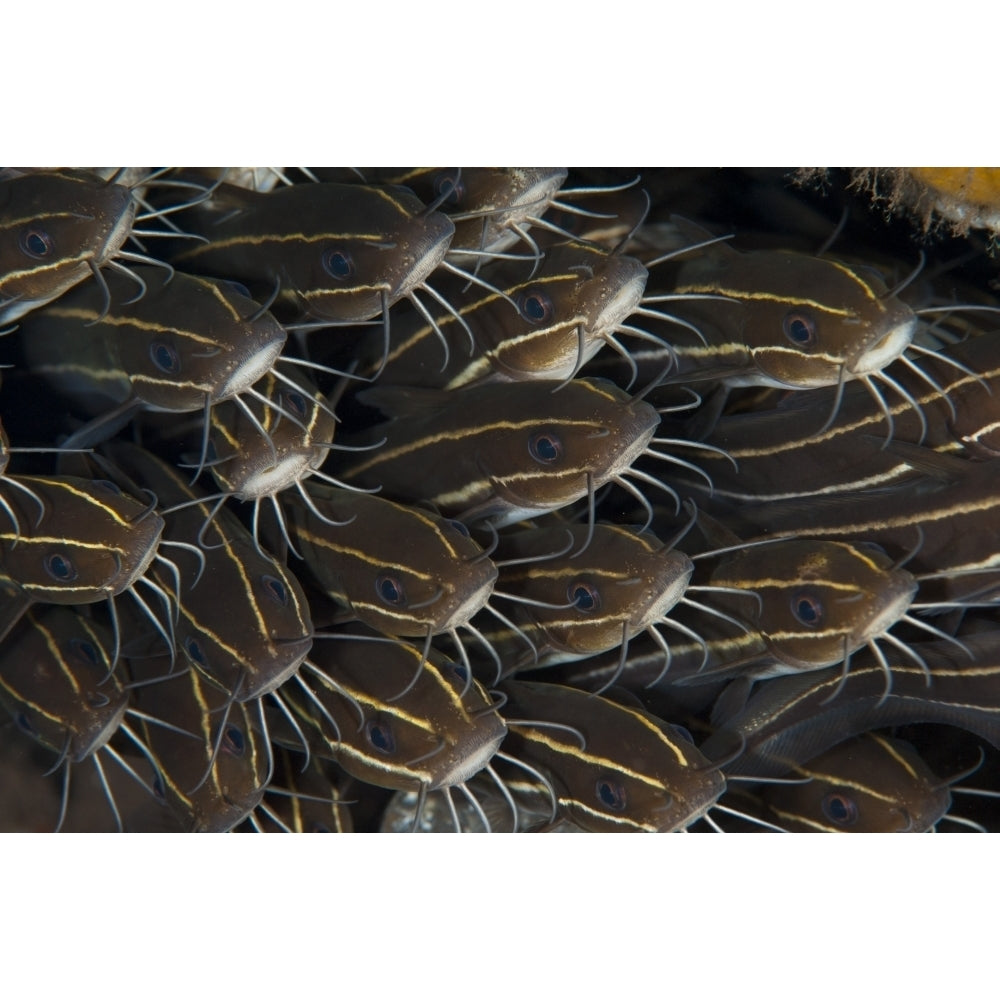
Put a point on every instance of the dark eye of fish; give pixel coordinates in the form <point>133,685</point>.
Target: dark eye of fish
<point>165,357</point>
<point>60,568</point>
<point>800,329</point>
<point>36,243</point>
<point>806,608</point>
<point>390,589</point>
<point>545,448</point>
<point>106,484</point>
<point>233,741</point>
<point>193,649</point>
<point>24,723</point>
<point>460,528</point>
<point>444,184</point>
<point>84,650</point>
<point>585,596</point>
<point>380,736</point>
<point>238,287</point>
<point>535,306</point>
<point>460,671</point>
<point>275,589</point>
<point>338,264</point>
<point>158,790</point>
<point>840,809</point>
<point>295,402</point>
<point>612,794</point>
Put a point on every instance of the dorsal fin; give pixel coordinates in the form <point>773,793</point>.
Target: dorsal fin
<point>693,232</point>
<point>944,468</point>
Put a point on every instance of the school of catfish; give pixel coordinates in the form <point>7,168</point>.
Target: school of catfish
<point>522,499</point>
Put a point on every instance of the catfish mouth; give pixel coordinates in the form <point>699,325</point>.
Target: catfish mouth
<point>627,297</point>
<point>889,347</point>
<point>537,195</point>
<point>251,370</point>
<point>666,600</point>
<point>291,468</point>
<point>893,606</point>
<point>119,231</point>
<point>477,756</point>
<point>637,433</point>
<point>429,249</point>
<point>270,678</point>
<point>230,814</point>
<point>94,742</point>
<point>471,605</point>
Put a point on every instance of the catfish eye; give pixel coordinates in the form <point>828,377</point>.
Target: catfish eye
<point>460,528</point>
<point>807,608</point>
<point>611,794</point>
<point>85,651</point>
<point>35,243</point>
<point>158,790</point>
<point>60,568</point>
<point>193,649</point>
<point>380,736</point>
<point>545,447</point>
<point>165,357</point>
<point>25,724</point>
<point>237,287</point>
<point>800,329</point>
<point>234,741</point>
<point>840,809</point>
<point>390,589</point>
<point>460,671</point>
<point>449,187</point>
<point>585,596</point>
<point>275,589</point>
<point>338,264</point>
<point>108,486</point>
<point>295,402</point>
<point>535,306</point>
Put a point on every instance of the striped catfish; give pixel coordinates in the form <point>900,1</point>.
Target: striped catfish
<point>186,345</point>
<point>777,318</point>
<point>790,720</point>
<point>503,452</point>
<point>438,733</point>
<point>613,767</point>
<point>339,253</point>
<point>868,784</point>
<point>565,312</point>
<point>56,229</point>
<point>254,639</point>
<point>91,544</point>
